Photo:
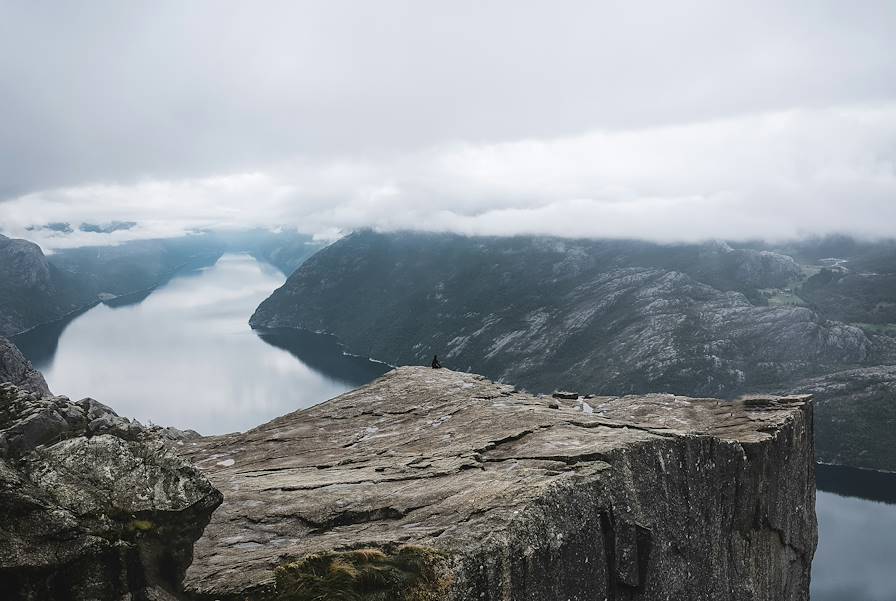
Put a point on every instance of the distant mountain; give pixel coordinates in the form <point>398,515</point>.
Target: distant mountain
<point>107,271</point>
<point>606,317</point>
<point>285,250</point>
<point>36,289</point>
<point>33,290</point>
<point>107,228</point>
<point>848,280</point>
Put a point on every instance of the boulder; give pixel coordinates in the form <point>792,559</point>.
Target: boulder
<point>92,505</point>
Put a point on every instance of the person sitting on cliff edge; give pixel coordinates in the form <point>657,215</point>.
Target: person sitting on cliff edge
<point>435,362</point>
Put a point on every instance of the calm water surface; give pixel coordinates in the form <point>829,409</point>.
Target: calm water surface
<point>185,356</point>
<point>856,555</point>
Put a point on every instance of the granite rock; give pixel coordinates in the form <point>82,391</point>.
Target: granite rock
<point>523,497</point>
<point>92,505</point>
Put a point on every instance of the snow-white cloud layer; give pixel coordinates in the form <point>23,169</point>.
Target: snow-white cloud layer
<point>777,175</point>
<point>670,121</point>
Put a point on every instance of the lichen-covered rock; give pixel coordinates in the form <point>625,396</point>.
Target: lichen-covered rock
<point>520,497</point>
<point>92,505</point>
<point>15,368</point>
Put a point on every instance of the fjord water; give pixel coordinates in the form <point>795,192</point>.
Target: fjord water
<point>185,356</point>
<point>856,555</point>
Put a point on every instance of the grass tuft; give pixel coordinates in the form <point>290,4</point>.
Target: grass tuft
<point>407,573</point>
<point>142,525</point>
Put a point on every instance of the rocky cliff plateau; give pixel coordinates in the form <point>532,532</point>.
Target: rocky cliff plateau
<point>441,485</point>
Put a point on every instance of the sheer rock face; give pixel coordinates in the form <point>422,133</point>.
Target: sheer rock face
<point>92,505</point>
<point>15,368</point>
<point>535,498</point>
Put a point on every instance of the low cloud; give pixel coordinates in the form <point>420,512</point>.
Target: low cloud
<point>770,175</point>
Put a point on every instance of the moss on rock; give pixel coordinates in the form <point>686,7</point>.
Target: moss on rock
<point>406,573</point>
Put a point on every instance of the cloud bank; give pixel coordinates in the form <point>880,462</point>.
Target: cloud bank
<point>774,176</point>
<point>639,119</point>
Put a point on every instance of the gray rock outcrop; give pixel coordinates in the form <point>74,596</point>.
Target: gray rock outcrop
<point>460,488</point>
<point>16,369</point>
<point>92,505</point>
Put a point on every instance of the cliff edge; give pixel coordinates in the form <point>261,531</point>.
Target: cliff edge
<point>435,484</point>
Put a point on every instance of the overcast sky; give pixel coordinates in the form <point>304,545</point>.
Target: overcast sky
<point>671,121</point>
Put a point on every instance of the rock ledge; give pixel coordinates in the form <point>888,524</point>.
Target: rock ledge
<point>525,497</point>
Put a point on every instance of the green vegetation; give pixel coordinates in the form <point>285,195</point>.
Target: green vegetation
<point>404,574</point>
<point>143,525</point>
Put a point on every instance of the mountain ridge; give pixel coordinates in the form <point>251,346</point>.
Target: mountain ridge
<point>544,312</point>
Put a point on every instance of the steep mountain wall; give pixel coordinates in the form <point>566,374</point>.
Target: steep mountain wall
<point>32,290</point>
<point>609,317</point>
<point>441,485</point>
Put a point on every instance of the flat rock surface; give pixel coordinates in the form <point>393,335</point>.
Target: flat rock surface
<point>454,461</point>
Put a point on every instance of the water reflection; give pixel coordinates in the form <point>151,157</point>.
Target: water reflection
<point>40,344</point>
<point>856,552</point>
<point>325,354</point>
<point>185,355</point>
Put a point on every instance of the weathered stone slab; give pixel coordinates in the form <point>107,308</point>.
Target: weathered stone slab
<point>535,498</point>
